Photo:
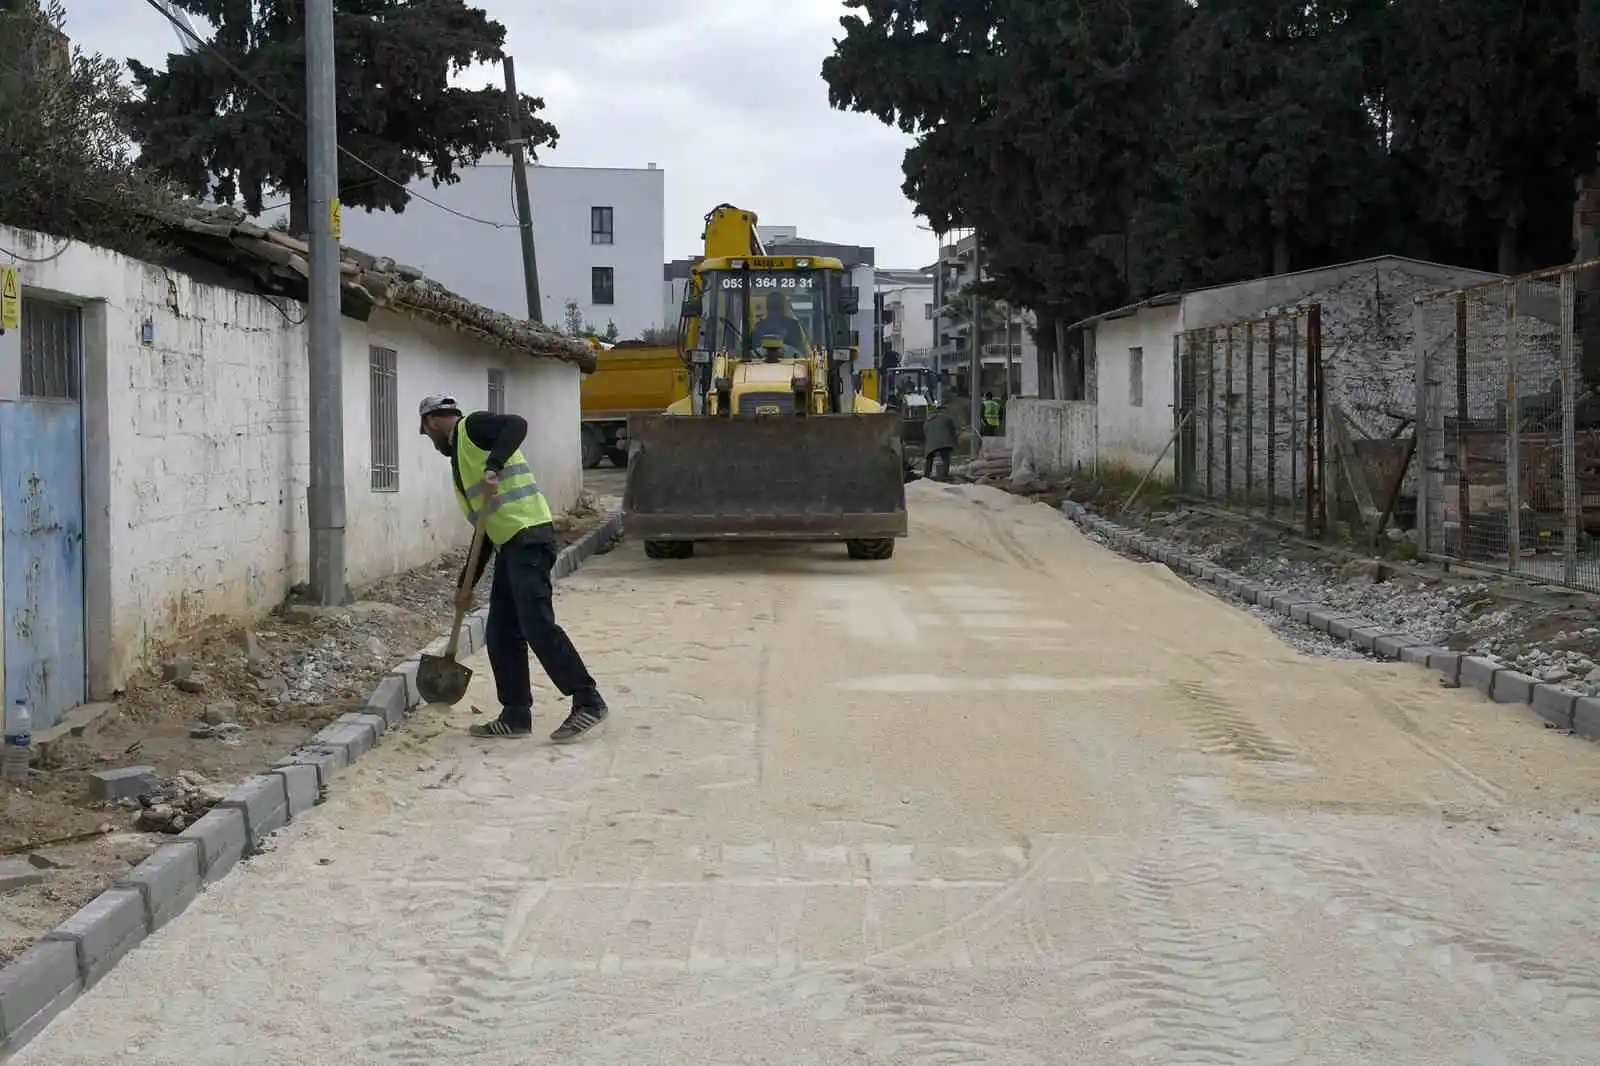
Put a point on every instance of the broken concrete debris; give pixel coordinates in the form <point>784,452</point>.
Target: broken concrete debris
<point>127,782</point>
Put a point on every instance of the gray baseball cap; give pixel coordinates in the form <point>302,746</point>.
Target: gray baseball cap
<point>434,405</point>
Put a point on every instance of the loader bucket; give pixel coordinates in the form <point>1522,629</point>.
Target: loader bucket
<point>819,477</point>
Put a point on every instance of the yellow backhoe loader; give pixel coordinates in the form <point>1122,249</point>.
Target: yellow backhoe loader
<point>772,442</point>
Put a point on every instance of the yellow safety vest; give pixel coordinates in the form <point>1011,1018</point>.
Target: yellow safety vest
<point>519,503</point>
<point>991,412</point>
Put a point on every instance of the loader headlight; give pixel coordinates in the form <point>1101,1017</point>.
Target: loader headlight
<point>700,356</point>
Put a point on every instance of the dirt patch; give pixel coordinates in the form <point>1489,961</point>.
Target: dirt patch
<point>220,707</point>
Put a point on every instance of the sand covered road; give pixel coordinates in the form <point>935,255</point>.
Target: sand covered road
<point>1008,798</point>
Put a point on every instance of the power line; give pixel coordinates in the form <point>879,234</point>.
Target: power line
<point>250,82</point>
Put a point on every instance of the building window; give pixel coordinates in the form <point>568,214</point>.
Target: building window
<point>603,286</point>
<point>497,392</point>
<point>52,348</point>
<point>384,419</point>
<point>601,225</point>
<point>1136,377</point>
<point>927,312</point>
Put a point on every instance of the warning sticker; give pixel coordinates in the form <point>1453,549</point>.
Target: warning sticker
<point>10,298</point>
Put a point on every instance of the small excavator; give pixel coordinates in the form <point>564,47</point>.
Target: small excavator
<point>773,441</point>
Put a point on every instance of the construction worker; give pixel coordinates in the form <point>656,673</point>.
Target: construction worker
<point>489,470</point>
<point>938,441</point>
<point>778,322</point>
<point>991,415</point>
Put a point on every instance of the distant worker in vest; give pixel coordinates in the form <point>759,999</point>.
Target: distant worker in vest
<point>489,470</point>
<point>991,415</point>
<point>939,436</point>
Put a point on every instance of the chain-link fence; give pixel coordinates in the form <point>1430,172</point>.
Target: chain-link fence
<point>1249,415</point>
<point>1509,419</point>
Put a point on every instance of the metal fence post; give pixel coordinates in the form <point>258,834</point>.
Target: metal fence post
<point>1227,417</point>
<point>1249,413</point>
<point>1211,413</point>
<point>1272,414</point>
<point>1296,496</point>
<point>1570,500</point>
<point>1513,435</point>
<point>1463,492</point>
<point>1423,431</point>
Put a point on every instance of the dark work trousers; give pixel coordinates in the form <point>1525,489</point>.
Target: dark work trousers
<point>939,457</point>
<point>522,616</point>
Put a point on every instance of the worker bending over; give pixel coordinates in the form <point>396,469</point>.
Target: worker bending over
<point>489,470</point>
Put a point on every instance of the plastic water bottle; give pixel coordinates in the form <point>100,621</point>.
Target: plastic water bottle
<point>19,741</point>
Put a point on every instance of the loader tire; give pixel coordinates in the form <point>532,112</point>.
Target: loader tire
<point>618,457</point>
<point>870,549</point>
<point>669,549</point>
<point>593,447</point>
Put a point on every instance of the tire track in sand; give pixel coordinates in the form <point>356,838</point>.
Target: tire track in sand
<point>1188,989</point>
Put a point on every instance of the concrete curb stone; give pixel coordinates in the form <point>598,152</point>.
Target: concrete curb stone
<point>1555,705</point>
<point>41,983</point>
<point>1418,654</point>
<point>1586,717</point>
<point>102,931</point>
<point>264,802</point>
<point>1511,686</point>
<point>1478,672</point>
<point>1392,645</point>
<point>224,838</point>
<point>1447,663</point>
<point>49,977</point>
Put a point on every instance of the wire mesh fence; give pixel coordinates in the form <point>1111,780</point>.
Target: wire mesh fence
<point>1249,415</point>
<point>1509,421</point>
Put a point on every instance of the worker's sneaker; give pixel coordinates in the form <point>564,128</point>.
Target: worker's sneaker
<point>584,718</point>
<point>500,727</point>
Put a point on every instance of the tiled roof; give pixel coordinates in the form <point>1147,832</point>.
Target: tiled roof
<point>281,264</point>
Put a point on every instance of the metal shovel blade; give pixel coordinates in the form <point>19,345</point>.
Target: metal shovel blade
<point>440,679</point>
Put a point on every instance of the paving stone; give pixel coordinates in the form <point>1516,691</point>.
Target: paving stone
<point>103,931</point>
<point>407,672</point>
<point>35,987</point>
<point>1554,704</point>
<point>356,738</point>
<point>1478,672</point>
<point>1393,645</point>
<point>329,762</point>
<point>1447,663</point>
<point>1366,637</point>
<point>302,786</point>
<point>1340,628</point>
<point>1512,686</point>
<point>223,838</point>
<point>18,873</point>
<point>168,880</point>
<point>388,700</point>
<point>125,783</point>
<point>265,805</point>
<point>1418,653</point>
<point>1586,717</point>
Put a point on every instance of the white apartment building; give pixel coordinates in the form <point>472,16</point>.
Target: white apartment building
<point>598,236</point>
<point>1005,333</point>
<point>908,320</point>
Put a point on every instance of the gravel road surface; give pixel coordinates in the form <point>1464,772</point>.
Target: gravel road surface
<point>1007,798</point>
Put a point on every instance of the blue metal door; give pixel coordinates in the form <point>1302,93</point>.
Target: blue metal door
<point>41,519</point>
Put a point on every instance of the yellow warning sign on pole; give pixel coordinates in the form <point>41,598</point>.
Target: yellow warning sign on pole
<point>10,298</point>
<point>336,219</point>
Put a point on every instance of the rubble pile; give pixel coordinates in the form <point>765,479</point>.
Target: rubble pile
<point>177,803</point>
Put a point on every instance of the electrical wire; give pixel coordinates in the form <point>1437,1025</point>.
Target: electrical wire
<point>296,116</point>
<point>57,254</point>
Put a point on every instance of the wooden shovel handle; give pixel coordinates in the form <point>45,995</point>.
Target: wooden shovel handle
<point>473,553</point>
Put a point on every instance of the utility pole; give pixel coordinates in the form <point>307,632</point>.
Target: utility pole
<point>325,493</point>
<point>975,371</point>
<point>515,143</point>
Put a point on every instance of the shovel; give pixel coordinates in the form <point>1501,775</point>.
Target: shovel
<point>440,679</point>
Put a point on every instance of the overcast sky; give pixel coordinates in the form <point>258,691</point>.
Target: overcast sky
<point>725,95</point>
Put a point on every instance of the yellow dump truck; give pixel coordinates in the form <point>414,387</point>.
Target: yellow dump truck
<point>631,377</point>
